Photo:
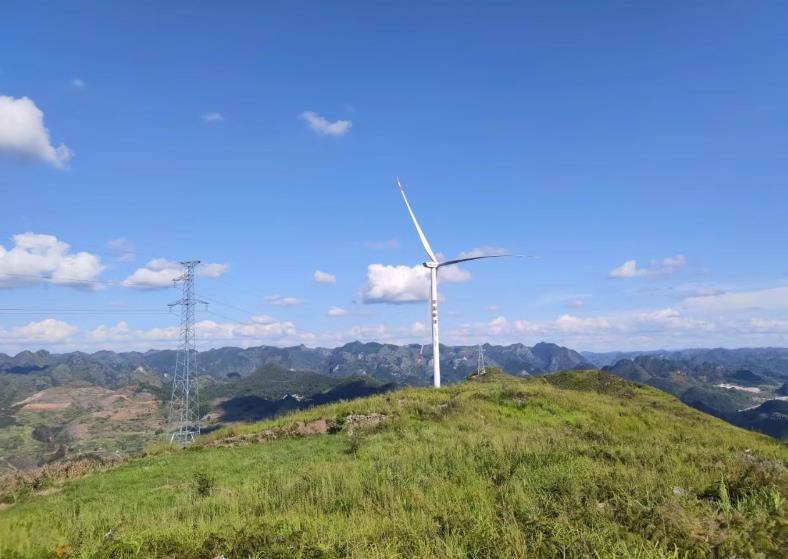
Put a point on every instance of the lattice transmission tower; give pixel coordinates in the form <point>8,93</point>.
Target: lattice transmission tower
<point>480,361</point>
<point>183,421</point>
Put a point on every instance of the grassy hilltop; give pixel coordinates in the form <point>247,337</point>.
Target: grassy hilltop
<point>573,464</point>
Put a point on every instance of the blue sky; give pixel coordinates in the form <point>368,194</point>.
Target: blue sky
<point>265,139</point>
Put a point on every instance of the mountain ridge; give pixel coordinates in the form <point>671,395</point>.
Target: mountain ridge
<point>387,362</point>
<point>581,464</point>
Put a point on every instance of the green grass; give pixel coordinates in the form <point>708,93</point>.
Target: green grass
<point>569,465</point>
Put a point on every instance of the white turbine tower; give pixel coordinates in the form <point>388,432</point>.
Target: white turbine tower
<point>434,266</point>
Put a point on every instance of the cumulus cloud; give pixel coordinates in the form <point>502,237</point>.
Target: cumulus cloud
<point>260,329</point>
<point>253,331</point>
<point>630,269</point>
<point>324,127</point>
<point>570,323</point>
<point>668,327</point>
<point>156,274</point>
<point>212,117</point>
<point>105,333</point>
<point>773,299</point>
<point>405,284</point>
<point>337,311</point>
<point>49,331</point>
<point>160,273</point>
<point>665,327</point>
<point>35,258</point>
<point>324,277</point>
<point>212,270</point>
<point>280,301</point>
<point>23,134</point>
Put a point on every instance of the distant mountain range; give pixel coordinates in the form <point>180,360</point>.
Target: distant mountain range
<point>58,405</point>
<point>116,401</point>
<point>766,359</point>
<point>385,362</point>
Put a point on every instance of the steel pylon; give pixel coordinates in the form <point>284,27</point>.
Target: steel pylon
<point>183,421</point>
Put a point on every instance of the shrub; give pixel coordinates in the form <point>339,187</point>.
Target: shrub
<point>202,483</point>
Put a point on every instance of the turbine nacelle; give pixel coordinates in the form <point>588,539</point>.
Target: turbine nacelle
<point>431,265</point>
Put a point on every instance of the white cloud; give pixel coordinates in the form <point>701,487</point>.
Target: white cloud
<point>651,329</point>
<point>405,284</point>
<point>263,319</point>
<point>212,270</point>
<point>324,277</point>
<point>484,251</point>
<point>707,291</point>
<point>322,126</point>
<point>160,273</point>
<point>23,134</point>
<point>772,299</point>
<point>156,274</point>
<point>35,258</point>
<point>337,311</point>
<point>391,244</point>
<point>48,330</point>
<point>280,301</point>
<point>769,325</point>
<point>253,331</point>
<point>124,248</point>
<point>261,329</point>
<point>570,323</point>
<point>109,333</point>
<point>78,83</point>
<point>671,319</point>
<point>564,299</point>
<point>668,328</point>
<point>630,269</point>
<point>212,117</point>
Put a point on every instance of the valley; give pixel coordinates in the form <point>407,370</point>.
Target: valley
<point>110,405</point>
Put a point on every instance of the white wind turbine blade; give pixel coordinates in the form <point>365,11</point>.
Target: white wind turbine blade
<point>424,241</point>
<point>459,260</point>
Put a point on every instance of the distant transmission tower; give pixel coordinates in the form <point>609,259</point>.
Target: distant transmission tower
<point>184,416</point>
<point>480,361</point>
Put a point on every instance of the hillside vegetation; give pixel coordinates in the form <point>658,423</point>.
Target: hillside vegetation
<point>68,421</point>
<point>739,396</point>
<point>580,464</point>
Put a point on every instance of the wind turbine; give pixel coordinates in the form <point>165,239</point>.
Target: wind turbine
<point>433,265</point>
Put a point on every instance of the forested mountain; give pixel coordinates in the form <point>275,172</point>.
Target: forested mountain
<point>767,359</point>
<point>115,401</point>
<point>408,364</point>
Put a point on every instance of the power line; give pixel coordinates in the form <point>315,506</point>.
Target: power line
<point>225,317</point>
<point>228,305</point>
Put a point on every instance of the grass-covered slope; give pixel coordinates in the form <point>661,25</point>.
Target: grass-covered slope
<point>574,464</point>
